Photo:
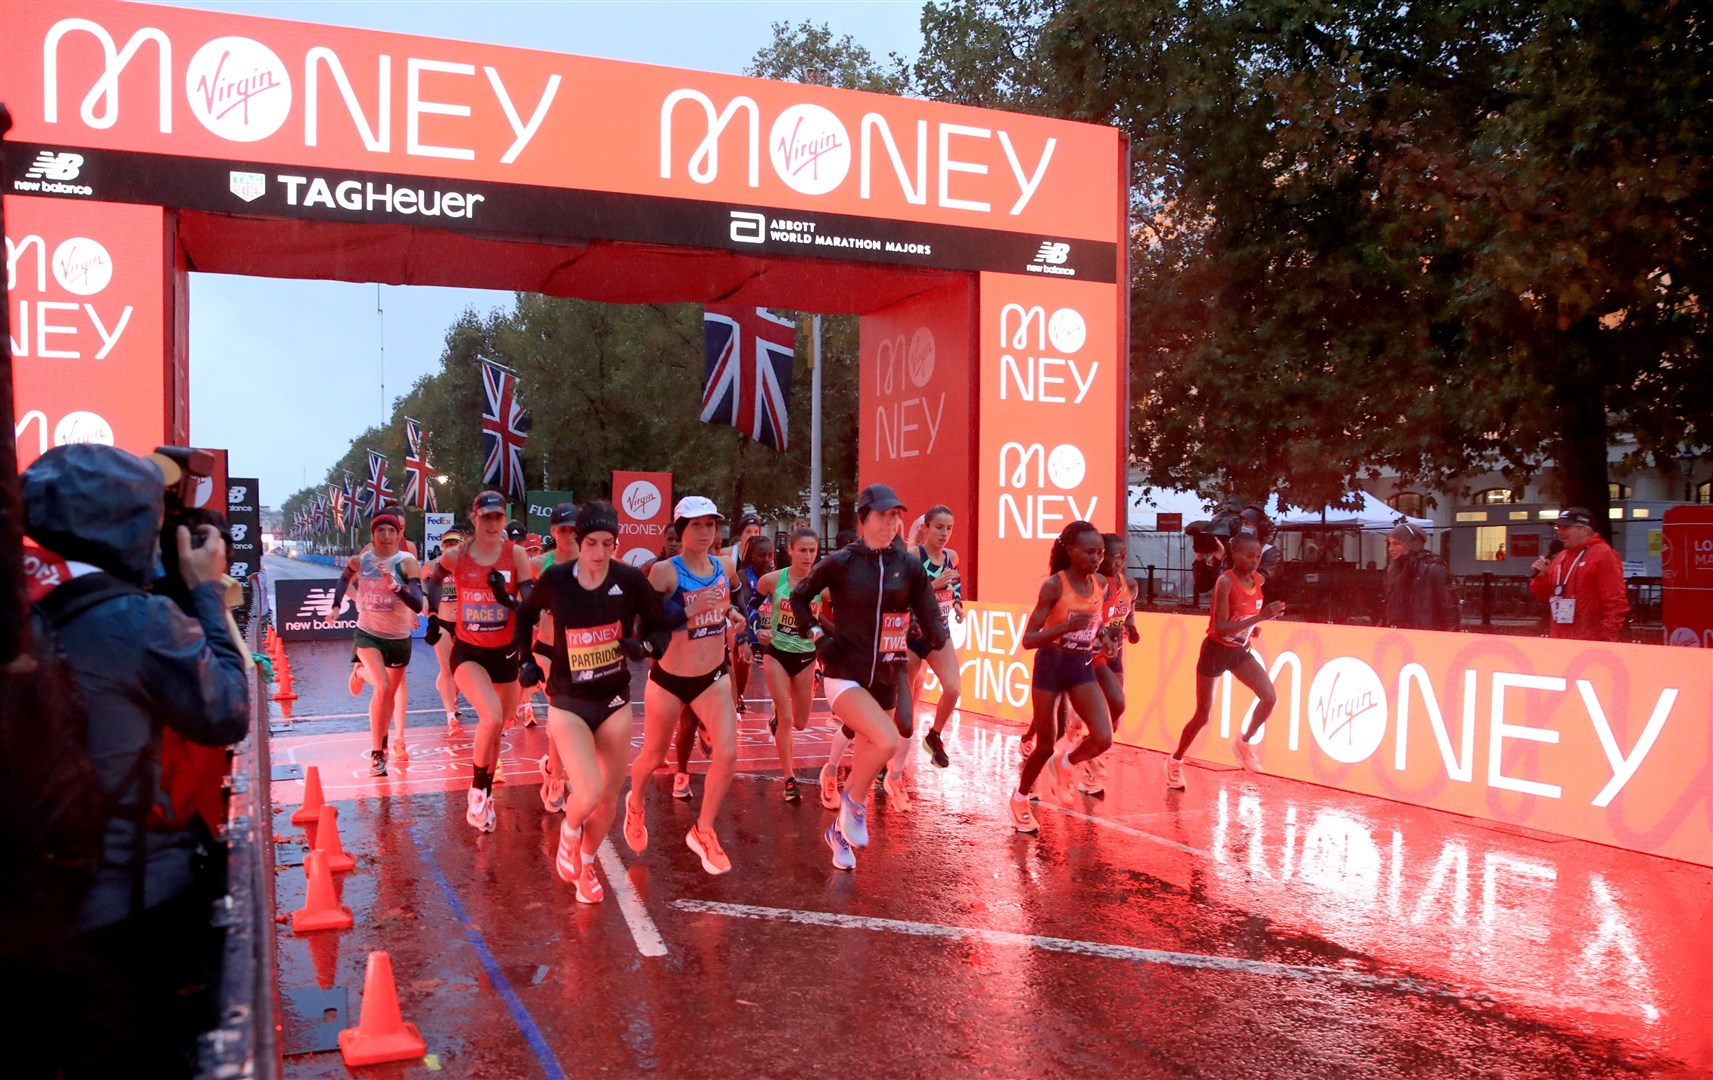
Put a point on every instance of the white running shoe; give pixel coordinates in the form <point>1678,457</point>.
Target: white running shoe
<point>829,787</point>
<point>1247,754</point>
<point>1022,817</point>
<point>480,812</point>
<point>1174,773</point>
<point>589,889</point>
<point>843,857</point>
<point>853,821</point>
<point>681,785</point>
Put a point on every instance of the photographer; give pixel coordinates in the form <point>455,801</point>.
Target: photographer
<point>117,990</point>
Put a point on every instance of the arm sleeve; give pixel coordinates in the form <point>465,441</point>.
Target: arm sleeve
<point>339,589</point>
<point>1614,598</point>
<point>192,671</point>
<point>807,589</point>
<point>412,595</point>
<point>926,608</point>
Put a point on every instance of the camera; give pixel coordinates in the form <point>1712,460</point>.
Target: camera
<point>184,469</point>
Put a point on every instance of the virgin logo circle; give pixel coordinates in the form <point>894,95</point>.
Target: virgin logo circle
<point>83,427</point>
<point>238,89</point>
<point>1347,710</point>
<point>82,266</point>
<point>921,358</point>
<point>641,499</point>
<point>810,148</point>
<point>1066,330</point>
<point>1066,466</point>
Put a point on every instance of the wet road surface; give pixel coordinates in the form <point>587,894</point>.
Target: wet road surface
<point>1246,926</point>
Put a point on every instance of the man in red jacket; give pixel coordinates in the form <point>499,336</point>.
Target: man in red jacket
<point>1584,583</point>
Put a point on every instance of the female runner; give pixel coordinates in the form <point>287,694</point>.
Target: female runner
<point>941,563</point>
<point>445,617</point>
<point>1109,658</point>
<point>490,572</point>
<point>604,613</point>
<point>788,657</point>
<point>389,594</point>
<point>864,655</point>
<point>697,587</point>
<point>755,559</point>
<point>1238,607</point>
<point>1065,628</point>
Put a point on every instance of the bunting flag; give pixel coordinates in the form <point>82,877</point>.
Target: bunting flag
<point>505,428</point>
<point>376,493</point>
<point>319,516</point>
<point>336,506</point>
<point>747,364</point>
<point>419,484</point>
<point>353,515</point>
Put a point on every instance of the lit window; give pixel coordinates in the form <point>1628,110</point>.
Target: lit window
<point>1494,496</point>
<point>1618,491</point>
<point>1549,515</point>
<point>1641,512</point>
<point>1519,515</point>
<point>1472,515</point>
<point>1704,492</point>
<point>1616,513</point>
<point>1408,503</point>
<point>1490,543</point>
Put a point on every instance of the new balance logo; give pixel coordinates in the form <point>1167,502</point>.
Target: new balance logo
<point>1053,254</point>
<point>51,166</point>
<point>316,604</point>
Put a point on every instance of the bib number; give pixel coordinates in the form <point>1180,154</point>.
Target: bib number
<point>1563,610</point>
<point>592,651</point>
<point>713,620</point>
<point>894,628</point>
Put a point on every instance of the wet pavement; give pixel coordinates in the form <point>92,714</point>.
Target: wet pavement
<point>1247,926</point>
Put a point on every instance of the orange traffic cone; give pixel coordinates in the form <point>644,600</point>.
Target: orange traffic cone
<point>381,1033</point>
<point>310,811</point>
<point>327,841</point>
<point>321,909</point>
<point>283,668</point>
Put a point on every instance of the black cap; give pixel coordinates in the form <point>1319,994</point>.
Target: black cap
<point>1574,515</point>
<point>878,497</point>
<point>563,514</point>
<point>516,531</point>
<point>596,517</point>
<point>488,502</point>
<point>747,520</point>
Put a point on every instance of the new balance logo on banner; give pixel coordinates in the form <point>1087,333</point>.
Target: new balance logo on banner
<point>303,604</point>
<point>51,166</point>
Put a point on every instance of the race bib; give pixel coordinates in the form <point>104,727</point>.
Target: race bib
<point>712,621</point>
<point>376,596</point>
<point>448,591</point>
<point>477,616</point>
<point>1563,610</point>
<point>944,598</point>
<point>894,628</point>
<point>592,651</point>
<point>1081,639</point>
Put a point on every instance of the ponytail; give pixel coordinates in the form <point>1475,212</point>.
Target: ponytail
<point>1060,559</point>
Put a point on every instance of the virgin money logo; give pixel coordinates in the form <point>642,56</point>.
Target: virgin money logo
<point>1067,330</point>
<point>83,427</point>
<point>82,266</point>
<point>1347,710</point>
<point>641,500</point>
<point>920,361</point>
<point>238,89</point>
<point>810,148</point>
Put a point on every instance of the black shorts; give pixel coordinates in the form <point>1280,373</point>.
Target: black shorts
<point>593,711</point>
<point>500,661</point>
<point>794,663</point>
<point>1216,659</point>
<point>685,688</point>
<point>919,646</point>
<point>1113,663</point>
<point>542,649</point>
<point>1060,670</point>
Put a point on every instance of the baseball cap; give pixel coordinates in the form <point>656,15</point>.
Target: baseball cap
<point>563,514</point>
<point>1574,515</point>
<point>515,530</point>
<point>878,497</point>
<point>451,536</point>
<point>695,506</point>
<point>488,502</point>
<point>533,540</point>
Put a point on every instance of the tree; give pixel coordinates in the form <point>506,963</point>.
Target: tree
<point>808,53</point>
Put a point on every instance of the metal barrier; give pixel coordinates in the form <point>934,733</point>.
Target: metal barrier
<point>245,1039</point>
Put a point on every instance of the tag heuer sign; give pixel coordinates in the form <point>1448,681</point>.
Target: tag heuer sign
<point>249,186</point>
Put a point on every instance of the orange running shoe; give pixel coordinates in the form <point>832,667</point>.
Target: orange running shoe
<point>707,845</point>
<point>636,827</point>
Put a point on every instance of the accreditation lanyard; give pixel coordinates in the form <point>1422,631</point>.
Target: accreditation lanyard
<point>1563,579</point>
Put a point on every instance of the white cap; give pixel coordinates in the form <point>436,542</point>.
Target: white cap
<point>695,506</point>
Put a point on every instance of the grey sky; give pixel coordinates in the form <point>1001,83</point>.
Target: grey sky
<point>285,373</point>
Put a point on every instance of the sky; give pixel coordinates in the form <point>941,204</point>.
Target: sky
<point>285,373</point>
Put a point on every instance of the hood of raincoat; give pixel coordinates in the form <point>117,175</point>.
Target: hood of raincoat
<point>97,504</point>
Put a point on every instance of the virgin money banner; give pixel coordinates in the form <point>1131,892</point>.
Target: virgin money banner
<point>1598,741</point>
<point>87,299</point>
<point>644,502</point>
<point>293,119</point>
<point>1686,562</point>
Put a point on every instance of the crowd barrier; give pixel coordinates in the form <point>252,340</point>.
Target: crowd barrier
<point>1602,742</point>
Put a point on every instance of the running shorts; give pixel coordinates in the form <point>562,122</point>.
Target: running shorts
<point>794,663</point>
<point>1060,670</point>
<point>543,650</point>
<point>918,645</point>
<point>885,694</point>
<point>686,688</point>
<point>1216,659</point>
<point>395,652</point>
<point>593,711</point>
<point>500,661</point>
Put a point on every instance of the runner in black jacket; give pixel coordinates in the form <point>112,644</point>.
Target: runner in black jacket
<point>875,587</point>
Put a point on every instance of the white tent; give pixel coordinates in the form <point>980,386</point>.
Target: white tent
<point>1147,503</point>
<point>1369,516</point>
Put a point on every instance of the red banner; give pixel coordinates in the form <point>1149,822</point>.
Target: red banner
<point>1599,741</point>
<point>644,502</point>
<point>1686,566</point>
<point>87,299</point>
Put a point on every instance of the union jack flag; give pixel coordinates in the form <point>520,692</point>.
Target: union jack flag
<point>336,505</point>
<point>418,488</point>
<point>748,358</point>
<point>377,493</point>
<point>352,505</point>
<point>319,516</point>
<point>505,428</point>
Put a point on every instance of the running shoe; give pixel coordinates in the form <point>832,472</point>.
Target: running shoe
<point>1026,745</point>
<point>377,763</point>
<point>896,795</point>
<point>1174,773</point>
<point>707,846</point>
<point>589,890</point>
<point>936,749</point>
<point>569,861</point>
<point>681,785</point>
<point>356,683</point>
<point>452,724</point>
<point>790,792</point>
<point>843,857</point>
<point>853,821</point>
<point>1089,782</point>
<point>398,748</point>
<point>880,781</point>
<point>1022,818</point>
<point>479,811</point>
<point>829,788</point>
<point>552,790</point>
<point>636,828</point>
<point>1247,754</point>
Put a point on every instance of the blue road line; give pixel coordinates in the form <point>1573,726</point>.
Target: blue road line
<point>525,1022</point>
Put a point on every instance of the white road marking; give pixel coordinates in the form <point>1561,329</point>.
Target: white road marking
<point>642,928</point>
<point>1152,838</point>
<point>1070,945</point>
